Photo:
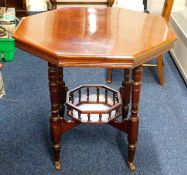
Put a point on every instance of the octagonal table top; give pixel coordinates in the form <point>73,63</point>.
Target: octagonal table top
<point>94,37</point>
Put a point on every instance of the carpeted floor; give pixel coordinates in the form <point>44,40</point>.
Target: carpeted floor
<point>25,147</point>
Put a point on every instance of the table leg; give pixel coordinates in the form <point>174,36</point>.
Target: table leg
<point>54,121</point>
<point>125,91</point>
<point>133,123</point>
<point>62,92</point>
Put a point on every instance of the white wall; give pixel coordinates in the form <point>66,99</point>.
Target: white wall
<point>37,5</point>
<point>156,6</point>
<point>179,5</point>
<point>136,5</point>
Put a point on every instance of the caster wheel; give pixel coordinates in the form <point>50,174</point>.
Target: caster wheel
<point>131,166</point>
<point>57,166</point>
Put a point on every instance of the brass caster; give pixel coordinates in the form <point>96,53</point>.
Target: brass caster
<point>131,166</point>
<point>57,166</point>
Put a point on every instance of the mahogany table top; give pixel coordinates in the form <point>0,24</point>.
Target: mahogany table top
<point>95,37</point>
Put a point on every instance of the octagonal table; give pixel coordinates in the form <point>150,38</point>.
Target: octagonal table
<point>95,38</point>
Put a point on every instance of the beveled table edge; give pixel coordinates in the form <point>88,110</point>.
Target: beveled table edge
<point>99,61</point>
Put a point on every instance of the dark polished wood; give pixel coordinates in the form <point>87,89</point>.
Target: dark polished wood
<point>54,90</point>
<point>2,3</point>
<point>19,5</point>
<point>105,96</point>
<point>57,123</point>
<point>105,38</point>
<point>54,121</point>
<point>62,92</point>
<point>160,69</point>
<point>134,118</point>
<point>125,91</point>
<point>123,125</point>
<point>103,42</point>
<point>130,125</point>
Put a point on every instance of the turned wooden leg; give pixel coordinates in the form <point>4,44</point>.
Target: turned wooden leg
<point>109,76</point>
<point>62,92</point>
<point>134,119</point>
<point>160,70</point>
<point>125,91</point>
<point>54,121</point>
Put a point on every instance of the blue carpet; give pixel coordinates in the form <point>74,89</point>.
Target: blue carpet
<point>25,146</point>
